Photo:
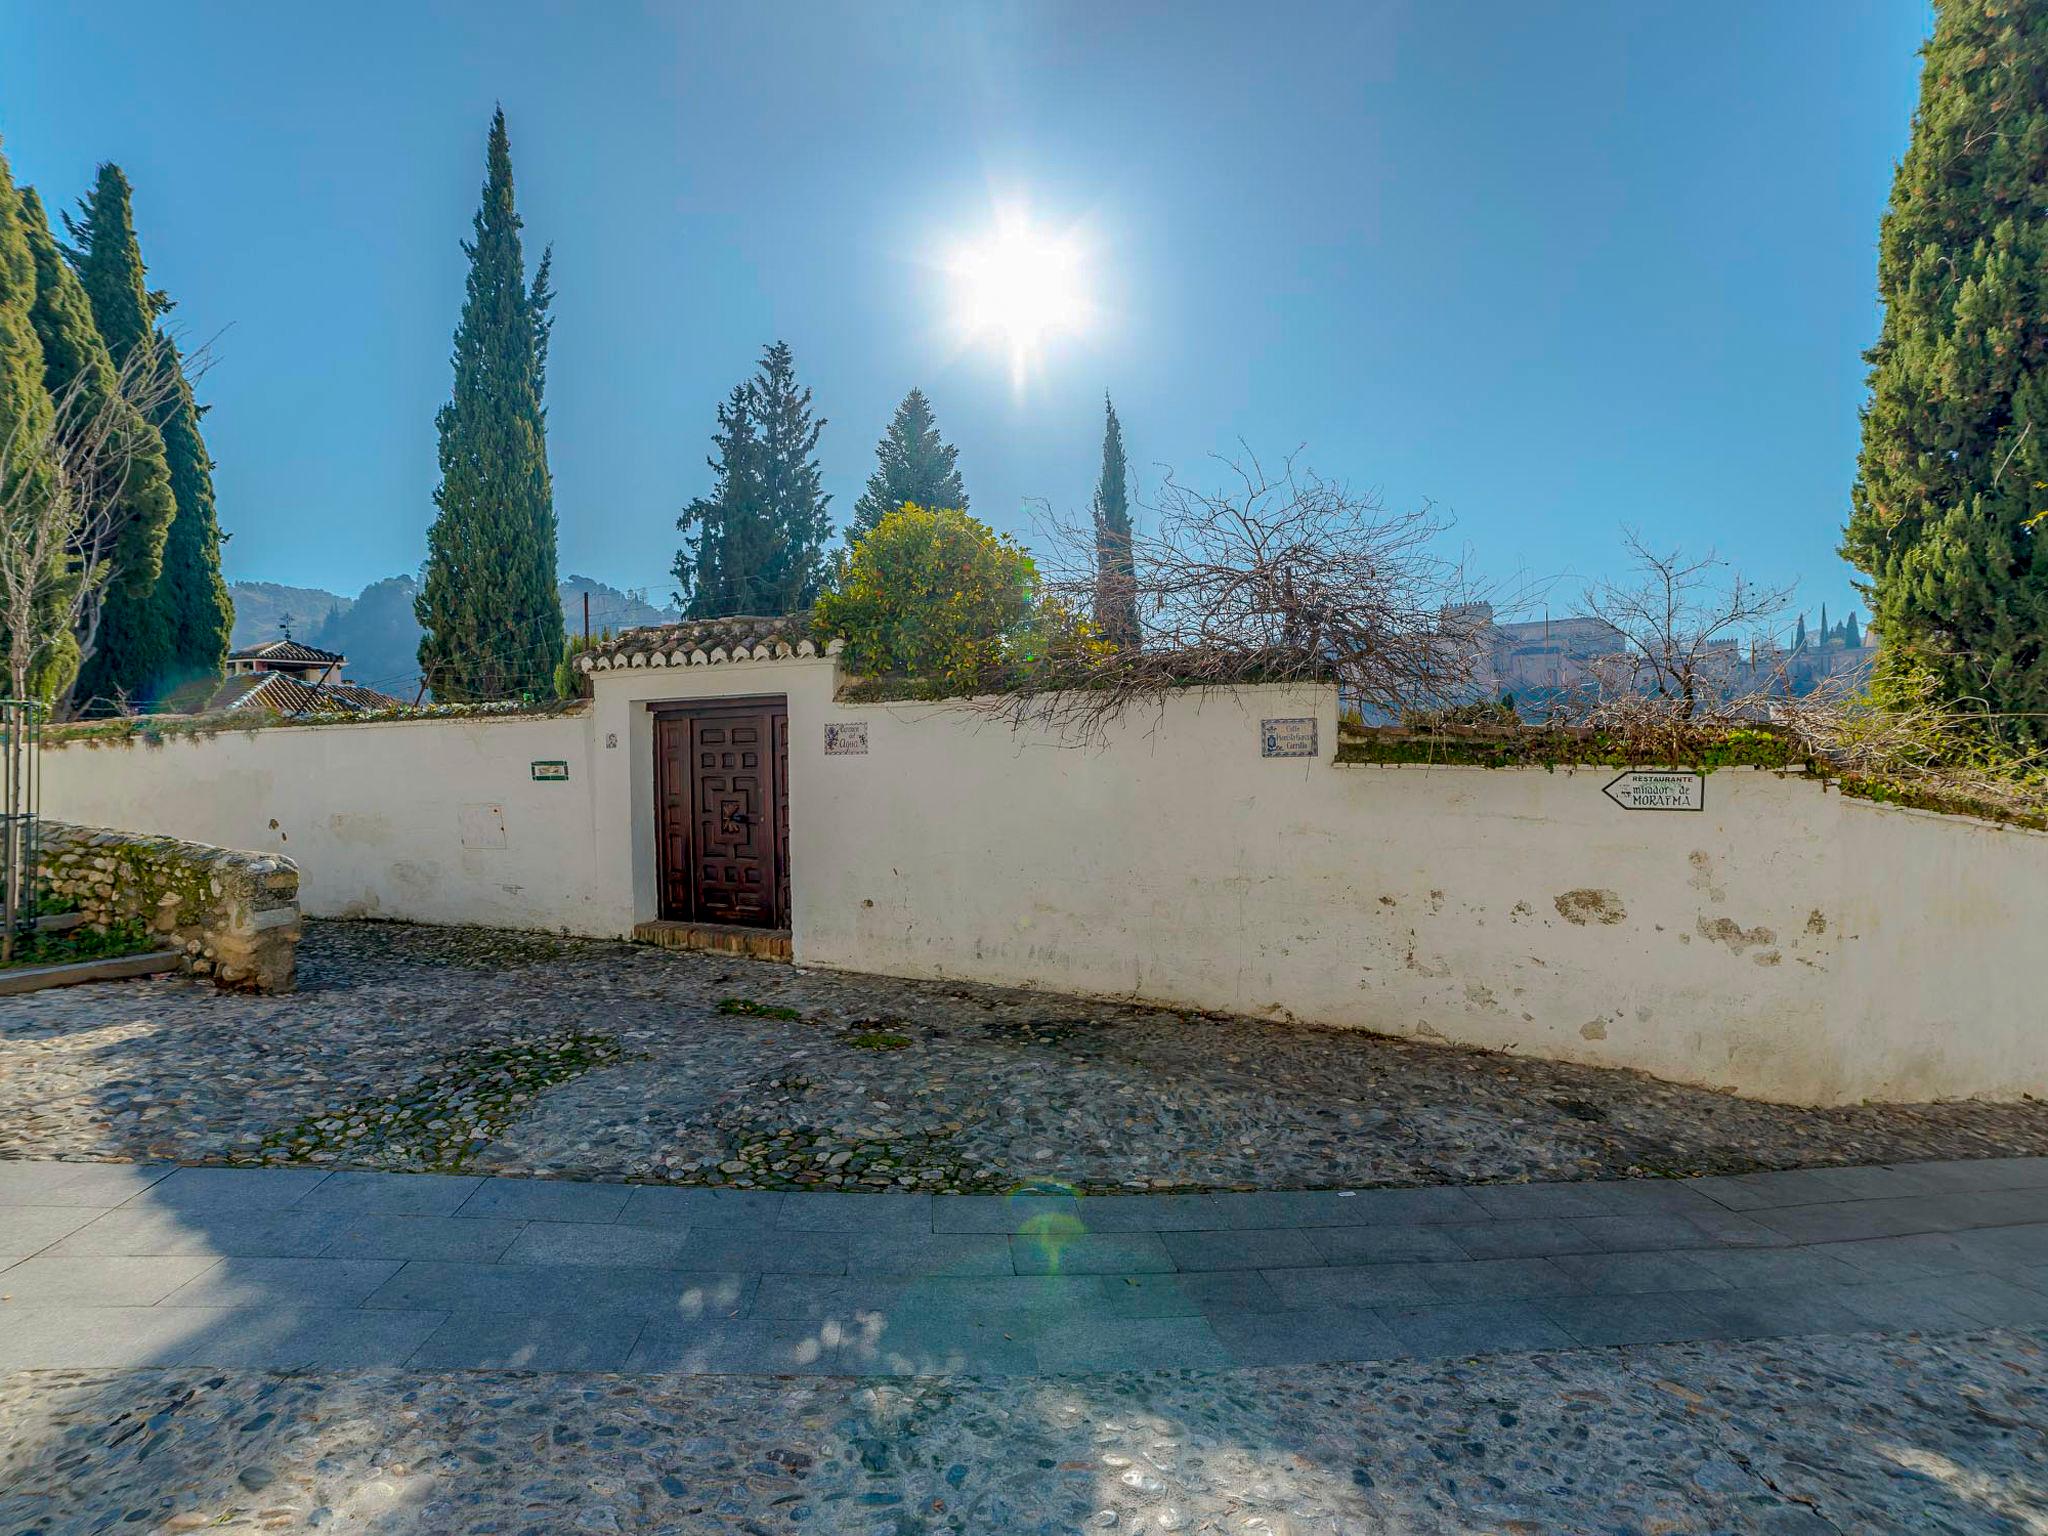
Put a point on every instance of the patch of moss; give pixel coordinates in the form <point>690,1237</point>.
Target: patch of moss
<point>84,943</point>
<point>875,1040</point>
<point>747,1008</point>
<point>156,730</point>
<point>1552,749</point>
<point>449,1115</point>
<point>1925,797</point>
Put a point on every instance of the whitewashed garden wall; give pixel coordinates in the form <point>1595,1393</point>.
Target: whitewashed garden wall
<point>1782,942</point>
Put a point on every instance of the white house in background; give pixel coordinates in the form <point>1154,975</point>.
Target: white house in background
<point>307,663</point>
<point>283,677</point>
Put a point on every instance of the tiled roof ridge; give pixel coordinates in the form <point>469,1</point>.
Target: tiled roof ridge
<point>706,642</point>
<point>284,650</point>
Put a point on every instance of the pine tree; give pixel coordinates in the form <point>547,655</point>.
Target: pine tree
<point>1851,635</point>
<point>759,539</point>
<point>489,608</point>
<point>914,464</point>
<point>1799,635</point>
<point>25,414</point>
<point>719,569</point>
<point>1116,591</point>
<point>1952,481</point>
<point>791,486</point>
<point>132,648</point>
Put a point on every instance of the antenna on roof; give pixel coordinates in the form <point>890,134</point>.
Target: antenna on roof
<point>284,622</point>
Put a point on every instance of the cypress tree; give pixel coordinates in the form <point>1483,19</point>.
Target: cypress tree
<point>488,607</point>
<point>792,494</point>
<point>1952,486</point>
<point>914,464</point>
<point>124,630</point>
<point>719,570</point>
<point>1116,592</point>
<point>191,597</point>
<point>25,409</point>
<point>132,653</point>
<point>75,355</point>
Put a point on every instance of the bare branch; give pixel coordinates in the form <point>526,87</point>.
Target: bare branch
<point>63,485</point>
<point>1275,576</point>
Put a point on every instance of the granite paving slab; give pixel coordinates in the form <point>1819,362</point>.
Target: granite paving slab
<point>268,1265</point>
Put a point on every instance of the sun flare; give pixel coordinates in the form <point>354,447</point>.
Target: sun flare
<point>1022,285</point>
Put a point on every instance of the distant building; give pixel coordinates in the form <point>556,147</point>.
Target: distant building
<point>1539,659</point>
<point>283,677</point>
<point>307,663</point>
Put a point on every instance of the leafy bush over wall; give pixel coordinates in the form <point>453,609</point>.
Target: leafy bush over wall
<point>943,602</point>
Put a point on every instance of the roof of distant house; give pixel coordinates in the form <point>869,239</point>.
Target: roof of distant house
<point>281,694</point>
<point>702,642</point>
<point>288,651</point>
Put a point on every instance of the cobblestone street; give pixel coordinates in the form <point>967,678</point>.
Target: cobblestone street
<point>1842,1351</point>
<point>1796,1437</point>
<point>452,1049</point>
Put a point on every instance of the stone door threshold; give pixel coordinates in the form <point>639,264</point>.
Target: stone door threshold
<point>723,938</point>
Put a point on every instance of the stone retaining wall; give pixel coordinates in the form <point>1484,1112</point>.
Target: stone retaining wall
<point>234,915</point>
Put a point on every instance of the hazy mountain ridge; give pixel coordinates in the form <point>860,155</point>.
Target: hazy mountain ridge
<point>376,629</point>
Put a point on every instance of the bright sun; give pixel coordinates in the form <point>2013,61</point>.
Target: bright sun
<point>1022,285</point>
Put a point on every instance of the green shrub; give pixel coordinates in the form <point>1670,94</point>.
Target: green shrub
<point>933,594</point>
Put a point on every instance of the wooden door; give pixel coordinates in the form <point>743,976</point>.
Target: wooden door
<point>720,812</point>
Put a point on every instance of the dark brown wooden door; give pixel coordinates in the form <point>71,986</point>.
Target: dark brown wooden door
<point>722,819</point>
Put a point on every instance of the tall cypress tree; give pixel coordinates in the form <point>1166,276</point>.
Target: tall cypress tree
<point>132,655</point>
<point>1952,482</point>
<point>1116,591</point>
<point>191,597</point>
<point>720,569</point>
<point>913,464</point>
<point>792,494</point>
<point>120,630</point>
<point>25,410</point>
<point>489,609</point>
<point>76,356</point>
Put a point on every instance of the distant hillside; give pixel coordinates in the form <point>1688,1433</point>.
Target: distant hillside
<point>609,607</point>
<point>378,634</point>
<point>260,605</point>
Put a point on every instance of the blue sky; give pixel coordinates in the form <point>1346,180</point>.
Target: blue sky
<point>1554,266</point>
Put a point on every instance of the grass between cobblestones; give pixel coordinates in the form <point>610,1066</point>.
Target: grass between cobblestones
<point>443,1120</point>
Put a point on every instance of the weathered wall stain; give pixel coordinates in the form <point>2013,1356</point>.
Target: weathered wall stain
<point>1590,906</point>
<point>1725,930</point>
<point>1702,878</point>
<point>1594,1029</point>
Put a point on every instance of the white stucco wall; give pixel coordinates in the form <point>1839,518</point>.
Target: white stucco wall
<point>434,820</point>
<point>1784,942</point>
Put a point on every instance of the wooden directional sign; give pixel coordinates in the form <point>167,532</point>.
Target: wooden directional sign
<point>1659,791</point>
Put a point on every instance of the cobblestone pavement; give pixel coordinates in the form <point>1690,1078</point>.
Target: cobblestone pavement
<point>1788,1438</point>
<point>443,1049</point>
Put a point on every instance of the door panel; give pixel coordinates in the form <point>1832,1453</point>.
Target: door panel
<point>672,813</point>
<point>721,817</point>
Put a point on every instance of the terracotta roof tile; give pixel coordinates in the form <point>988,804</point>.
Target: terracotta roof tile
<point>289,651</point>
<point>281,694</point>
<point>702,642</point>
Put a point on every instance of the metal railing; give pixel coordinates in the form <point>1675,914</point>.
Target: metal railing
<point>21,781</point>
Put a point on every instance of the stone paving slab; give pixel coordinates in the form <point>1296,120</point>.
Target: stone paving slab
<point>283,1268</point>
